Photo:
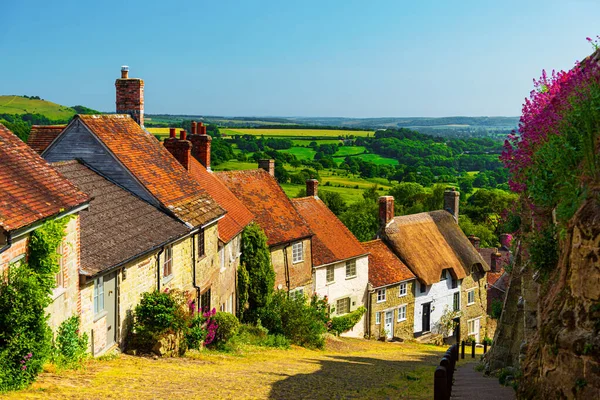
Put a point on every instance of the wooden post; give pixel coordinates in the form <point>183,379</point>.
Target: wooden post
<point>463,350</point>
<point>484,346</point>
<point>440,384</point>
<point>473,349</point>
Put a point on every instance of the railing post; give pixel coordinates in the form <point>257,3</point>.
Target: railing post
<point>440,384</point>
<point>473,349</point>
<point>463,350</point>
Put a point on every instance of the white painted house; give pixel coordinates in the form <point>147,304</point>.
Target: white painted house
<point>340,263</point>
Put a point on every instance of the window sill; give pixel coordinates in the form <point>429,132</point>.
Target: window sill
<point>401,320</point>
<point>350,277</point>
<point>297,262</point>
<point>470,304</point>
<point>380,301</point>
<point>329,283</point>
<point>101,315</point>
<point>166,279</point>
<point>57,292</point>
<point>402,295</point>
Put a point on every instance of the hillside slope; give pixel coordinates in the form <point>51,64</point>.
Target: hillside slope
<point>21,105</point>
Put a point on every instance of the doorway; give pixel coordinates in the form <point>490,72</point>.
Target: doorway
<point>389,324</point>
<point>110,304</point>
<point>426,321</point>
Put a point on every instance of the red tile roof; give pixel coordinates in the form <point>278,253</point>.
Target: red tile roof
<point>41,136</point>
<point>271,207</point>
<point>502,261</point>
<point>332,241</point>
<point>237,217</point>
<point>30,189</point>
<point>154,167</point>
<point>385,268</point>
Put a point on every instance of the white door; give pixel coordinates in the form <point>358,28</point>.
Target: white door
<point>389,324</point>
<point>477,331</point>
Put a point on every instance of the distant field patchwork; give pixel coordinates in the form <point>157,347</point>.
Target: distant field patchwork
<point>296,133</point>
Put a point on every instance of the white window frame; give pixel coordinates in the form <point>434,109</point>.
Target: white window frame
<point>402,289</point>
<point>377,318</point>
<point>352,266</point>
<point>472,322</point>
<point>469,302</point>
<point>297,252</point>
<point>167,263</point>
<point>381,295</point>
<point>338,308</point>
<point>222,258</point>
<point>98,295</point>
<point>402,310</point>
<point>330,273</point>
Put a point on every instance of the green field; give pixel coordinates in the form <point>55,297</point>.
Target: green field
<point>301,153</point>
<point>22,105</point>
<point>374,158</point>
<point>349,151</point>
<point>294,133</point>
<point>306,142</point>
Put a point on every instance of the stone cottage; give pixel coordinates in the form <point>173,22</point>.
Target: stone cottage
<point>450,272</point>
<point>340,263</point>
<point>33,192</point>
<point>391,295</point>
<point>288,235</point>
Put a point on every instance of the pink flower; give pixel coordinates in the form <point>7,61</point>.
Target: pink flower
<point>589,39</point>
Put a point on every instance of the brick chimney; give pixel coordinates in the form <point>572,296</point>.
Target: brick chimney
<point>386,210</point>
<point>505,240</point>
<point>312,186</point>
<point>201,144</point>
<point>267,165</point>
<point>194,126</point>
<point>180,148</point>
<point>451,200</point>
<point>130,96</point>
<point>475,241</point>
<point>495,260</point>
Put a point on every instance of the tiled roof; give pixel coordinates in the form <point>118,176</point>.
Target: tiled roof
<point>431,242</point>
<point>385,268</point>
<point>30,189</point>
<point>332,241</point>
<point>503,260</point>
<point>237,217</point>
<point>271,207</point>
<point>154,167</point>
<point>41,136</point>
<point>118,226</point>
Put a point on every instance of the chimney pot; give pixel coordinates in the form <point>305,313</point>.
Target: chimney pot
<point>267,165</point>
<point>172,132</point>
<point>124,72</point>
<point>201,148</point>
<point>182,135</point>
<point>386,210</point>
<point>451,202</point>
<point>312,187</point>
<point>193,128</point>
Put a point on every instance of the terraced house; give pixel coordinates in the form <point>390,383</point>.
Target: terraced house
<point>34,192</point>
<point>450,272</point>
<point>340,263</point>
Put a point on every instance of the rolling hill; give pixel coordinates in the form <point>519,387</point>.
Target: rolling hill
<point>22,105</point>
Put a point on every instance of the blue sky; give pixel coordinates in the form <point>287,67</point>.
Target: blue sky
<point>294,58</point>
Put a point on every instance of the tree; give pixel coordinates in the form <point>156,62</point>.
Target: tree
<point>466,185</point>
<point>361,220</point>
<point>407,193</point>
<point>334,201</point>
<point>256,257</point>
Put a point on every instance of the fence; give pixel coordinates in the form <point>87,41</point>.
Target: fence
<point>443,378</point>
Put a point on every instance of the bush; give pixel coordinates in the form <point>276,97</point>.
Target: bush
<point>496,309</point>
<point>346,322</point>
<point>543,250</point>
<point>227,327</point>
<point>488,341</point>
<point>70,348</point>
<point>197,332</point>
<point>257,335</point>
<point>160,312</point>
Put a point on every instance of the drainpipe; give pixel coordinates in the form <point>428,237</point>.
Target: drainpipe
<point>8,243</point>
<point>287,268</point>
<point>369,295</point>
<point>158,267</point>
<point>194,273</point>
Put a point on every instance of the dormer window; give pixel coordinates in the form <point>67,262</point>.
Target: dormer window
<point>444,275</point>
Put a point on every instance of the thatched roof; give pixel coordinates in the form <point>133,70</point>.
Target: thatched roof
<point>431,242</point>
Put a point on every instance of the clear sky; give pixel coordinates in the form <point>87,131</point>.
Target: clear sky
<point>294,58</point>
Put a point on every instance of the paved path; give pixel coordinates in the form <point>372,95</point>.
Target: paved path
<point>473,385</point>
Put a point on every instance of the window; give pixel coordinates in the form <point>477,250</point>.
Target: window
<point>222,258</point>
<point>423,288</point>
<point>350,269</point>
<point>230,304</point>
<point>60,275</point>
<point>456,301</point>
<point>473,327</point>
<point>471,297</point>
<point>454,283</point>
<point>205,301</point>
<point>402,289</point>
<point>168,261</point>
<point>330,273</point>
<point>343,306</point>
<point>444,275</point>
<point>98,295</point>
<point>297,250</point>
<point>201,249</point>
<point>402,313</point>
<point>377,318</point>
<point>380,295</point>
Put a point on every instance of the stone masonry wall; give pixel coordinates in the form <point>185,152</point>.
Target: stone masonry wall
<point>402,329</point>
<point>300,273</point>
<point>478,281</point>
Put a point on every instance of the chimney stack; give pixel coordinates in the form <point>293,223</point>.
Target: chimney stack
<point>312,187</point>
<point>267,165</point>
<point>495,260</point>
<point>182,135</point>
<point>130,96</point>
<point>180,148</point>
<point>172,133</point>
<point>386,210</point>
<point>193,128</point>
<point>201,129</point>
<point>201,145</point>
<point>451,200</point>
<point>505,240</point>
<point>475,241</point>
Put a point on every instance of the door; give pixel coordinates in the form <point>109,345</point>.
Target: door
<point>477,331</point>
<point>426,317</point>
<point>389,324</point>
<point>110,305</point>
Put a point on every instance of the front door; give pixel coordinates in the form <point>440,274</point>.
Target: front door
<point>426,317</point>
<point>473,326</point>
<point>110,305</point>
<point>389,324</point>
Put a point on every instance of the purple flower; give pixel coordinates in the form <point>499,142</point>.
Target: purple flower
<point>589,39</point>
<point>24,367</point>
<point>29,355</point>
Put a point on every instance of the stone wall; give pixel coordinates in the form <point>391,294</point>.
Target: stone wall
<point>300,273</point>
<point>225,285</point>
<point>402,329</point>
<point>478,281</point>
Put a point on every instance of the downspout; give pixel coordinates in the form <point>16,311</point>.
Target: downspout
<point>158,267</point>
<point>194,272</point>
<point>287,268</point>
<point>8,243</point>
<point>370,292</point>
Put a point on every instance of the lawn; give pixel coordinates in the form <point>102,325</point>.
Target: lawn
<point>309,133</point>
<point>348,368</point>
<point>22,105</point>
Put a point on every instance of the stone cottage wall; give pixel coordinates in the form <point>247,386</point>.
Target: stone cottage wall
<point>402,329</point>
<point>478,281</point>
<point>300,273</point>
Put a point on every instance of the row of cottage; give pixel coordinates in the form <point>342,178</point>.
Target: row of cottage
<point>154,216</point>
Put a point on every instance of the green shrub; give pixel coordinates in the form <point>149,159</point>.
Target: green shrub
<point>257,335</point>
<point>543,250</point>
<point>488,341</point>
<point>70,347</point>
<point>196,334</point>
<point>160,312</point>
<point>227,327</point>
<point>496,308</point>
<point>346,322</point>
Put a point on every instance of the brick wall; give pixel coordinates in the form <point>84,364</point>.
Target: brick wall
<point>300,273</point>
<point>16,250</point>
<point>403,329</point>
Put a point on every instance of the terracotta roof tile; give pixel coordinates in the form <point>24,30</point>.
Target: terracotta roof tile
<point>271,207</point>
<point>154,167</point>
<point>41,136</point>
<point>237,217</point>
<point>384,267</point>
<point>117,226</point>
<point>30,189</point>
<point>332,241</point>
<point>503,260</point>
